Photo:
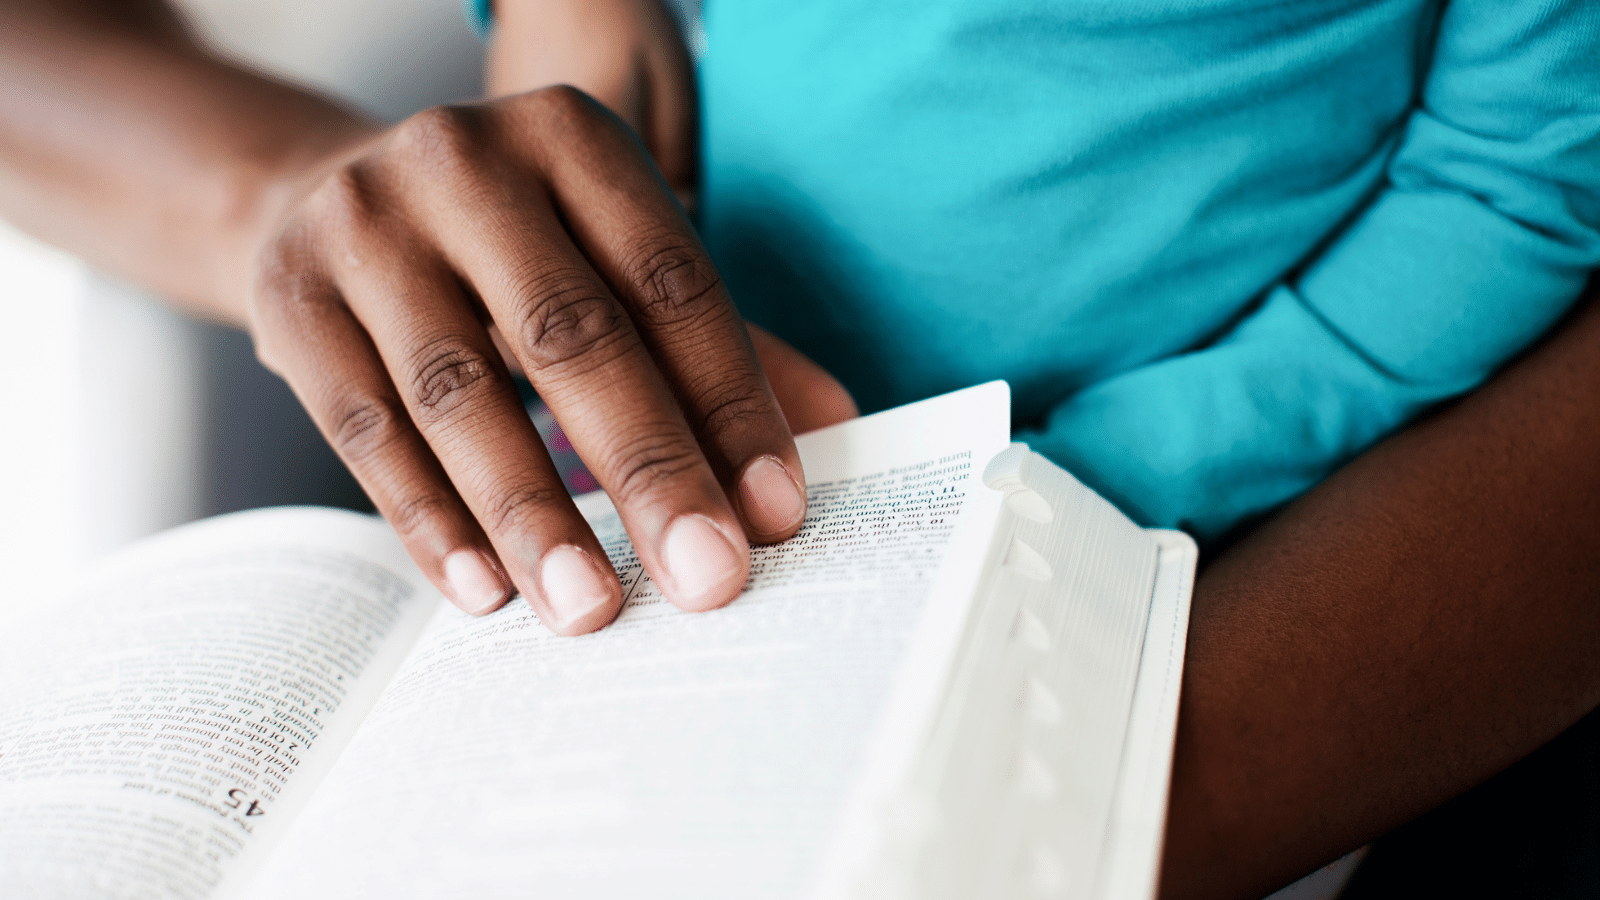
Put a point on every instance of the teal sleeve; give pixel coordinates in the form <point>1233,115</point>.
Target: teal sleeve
<point>1485,231</point>
<point>480,15</point>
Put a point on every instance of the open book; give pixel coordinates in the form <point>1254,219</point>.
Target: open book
<point>959,680</point>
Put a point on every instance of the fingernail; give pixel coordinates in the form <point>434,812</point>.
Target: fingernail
<point>573,585</point>
<point>475,586</point>
<point>772,502</point>
<point>700,563</point>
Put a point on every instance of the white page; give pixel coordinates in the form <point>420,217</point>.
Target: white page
<point>156,737</point>
<point>671,754</point>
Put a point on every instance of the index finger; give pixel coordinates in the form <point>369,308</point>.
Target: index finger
<point>621,213</point>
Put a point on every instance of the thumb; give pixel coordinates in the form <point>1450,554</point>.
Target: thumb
<point>809,397</point>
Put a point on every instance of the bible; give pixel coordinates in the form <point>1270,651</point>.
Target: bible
<point>960,679</point>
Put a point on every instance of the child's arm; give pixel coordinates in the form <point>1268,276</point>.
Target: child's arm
<point>1415,624</point>
<point>627,54</point>
<point>1485,231</point>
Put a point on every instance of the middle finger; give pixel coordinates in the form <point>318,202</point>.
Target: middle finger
<point>582,353</point>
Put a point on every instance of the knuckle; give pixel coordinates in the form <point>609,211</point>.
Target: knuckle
<point>519,507</point>
<point>564,101</point>
<point>731,403</point>
<point>448,371</point>
<point>285,292</point>
<point>641,466</point>
<point>270,354</point>
<point>443,137</point>
<point>675,282</point>
<point>347,201</point>
<point>569,115</point>
<point>363,425</point>
<point>416,513</point>
<point>568,319</point>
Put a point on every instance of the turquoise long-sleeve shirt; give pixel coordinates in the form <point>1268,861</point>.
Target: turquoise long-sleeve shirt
<point>1216,246</point>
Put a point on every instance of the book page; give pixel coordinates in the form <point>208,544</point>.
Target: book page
<point>157,738</point>
<point>671,754</point>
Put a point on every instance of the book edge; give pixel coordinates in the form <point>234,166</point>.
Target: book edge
<point>1132,863</point>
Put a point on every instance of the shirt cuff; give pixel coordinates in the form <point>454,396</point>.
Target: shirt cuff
<point>480,15</point>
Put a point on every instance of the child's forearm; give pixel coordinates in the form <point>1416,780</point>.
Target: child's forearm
<point>1412,626</point>
<point>625,53</point>
<point>124,141</point>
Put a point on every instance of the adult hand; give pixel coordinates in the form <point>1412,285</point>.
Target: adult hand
<point>542,215</point>
<point>627,54</point>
